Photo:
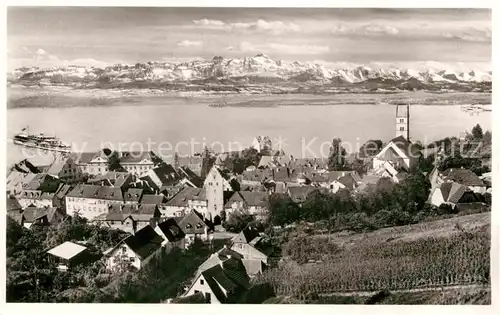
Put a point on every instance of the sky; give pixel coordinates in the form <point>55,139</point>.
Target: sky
<point>411,38</point>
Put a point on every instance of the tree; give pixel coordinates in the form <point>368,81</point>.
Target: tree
<point>283,210</point>
<point>237,221</point>
<point>370,148</point>
<point>487,138</point>
<point>336,158</point>
<point>113,161</point>
<point>477,132</point>
<point>176,160</point>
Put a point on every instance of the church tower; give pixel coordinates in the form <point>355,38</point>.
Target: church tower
<point>403,121</point>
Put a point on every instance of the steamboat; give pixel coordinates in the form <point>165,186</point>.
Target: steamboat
<point>40,141</point>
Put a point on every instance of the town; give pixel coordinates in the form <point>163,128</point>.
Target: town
<point>224,227</point>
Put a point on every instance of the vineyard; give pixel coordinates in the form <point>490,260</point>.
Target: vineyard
<point>462,258</point>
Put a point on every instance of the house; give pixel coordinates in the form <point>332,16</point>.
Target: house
<point>173,236</point>
<point>122,180</point>
<point>92,163</point>
<point>252,202</point>
<point>465,177</point>
<point>36,216</point>
<point>90,201</point>
<point>221,282</point>
<point>65,169</point>
<point>135,250</point>
<point>17,180</point>
<point>299,194</point>
<point>129,217</point>
<point>260,143</point>
<point>36,198</point>
<point>246,244</point>
<point>59,200</point>
<point>193,163</point>
<point>138,162</point>
<point>220,256</point>
<point>452,193</point>
<point>195,227</point>
<point>185,200</point>
<point>25,166</point>
<point>69,254</point>
<point>164,175</point>
<point>399,152</point>
<point>217,183</point>
<point>39,191</point>
<point>256,177</point>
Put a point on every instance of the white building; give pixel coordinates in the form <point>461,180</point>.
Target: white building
<point>135,250</point>
<point>89,201</point>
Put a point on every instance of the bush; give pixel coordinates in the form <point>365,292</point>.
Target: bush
<point>446,209</point>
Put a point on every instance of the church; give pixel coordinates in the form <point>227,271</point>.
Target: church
<point>399,154</point>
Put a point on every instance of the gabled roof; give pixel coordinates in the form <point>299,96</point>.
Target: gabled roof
<point>281,174</point>
<point>96,192</point>
<point>153,199</point>
<point>246,235</point>
<point>38,180</point>
<point>133,194</point>
<point>252,198</point>
<point>62,191</point>
<point>134,157</point>
<point>463,176</point>
<point>265,160</point>
<point>230,275</point>
<point>67,250</point>
<point>171,230</point>
<point>222,255</point>
<point>406,146</point>
<point>57,166</point>
<point>84,157</point>
<point>258,175</point>
<point>31,214</point>
<point>166,174</point>
<point>12,204</point>
<point>348,182</point>
<point>452,192</point>
<point>188,174</point>
<point>144,242</point>
<point>299,193</point>
<point>193,223</point>
<point>187,193</point>
<point>117,179</point>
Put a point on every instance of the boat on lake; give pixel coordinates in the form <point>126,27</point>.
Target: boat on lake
<point>40,141</point>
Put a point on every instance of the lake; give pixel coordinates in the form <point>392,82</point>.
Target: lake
<point>189,126</point>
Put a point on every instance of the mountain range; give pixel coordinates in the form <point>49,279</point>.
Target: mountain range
<point>257,74</point>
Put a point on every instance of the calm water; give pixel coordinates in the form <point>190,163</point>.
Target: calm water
<point>86,128</point>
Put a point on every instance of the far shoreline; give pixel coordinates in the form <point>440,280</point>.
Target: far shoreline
<point>64,97</point>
